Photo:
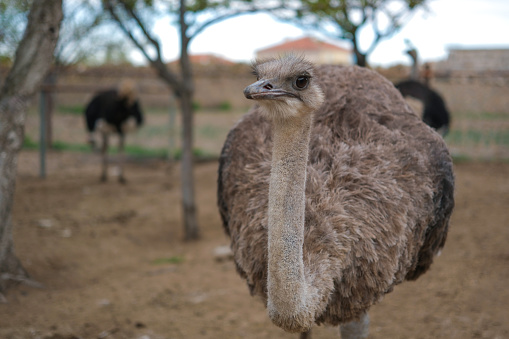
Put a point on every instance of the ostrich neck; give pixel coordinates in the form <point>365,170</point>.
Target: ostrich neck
<point>287,290</point>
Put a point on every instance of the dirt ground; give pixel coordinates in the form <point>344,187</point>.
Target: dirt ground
<point>113,264</point>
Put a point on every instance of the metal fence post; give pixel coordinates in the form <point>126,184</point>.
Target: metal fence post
<point>42,134</point>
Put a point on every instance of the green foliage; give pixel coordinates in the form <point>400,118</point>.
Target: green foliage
<point>5,60</point>
<point>13,18</point>
<point>84,34</point>
<point>17,5</point>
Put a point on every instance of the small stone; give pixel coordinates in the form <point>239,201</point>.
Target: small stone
<point>45,223</point>
<point>67,233</point>
<point>104,302</point>
<point>223,253</point>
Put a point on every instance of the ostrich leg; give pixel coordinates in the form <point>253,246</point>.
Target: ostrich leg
<point>104,153</point>
<point>356,329</point>
<point>305,335</point>
<point>122,160</point>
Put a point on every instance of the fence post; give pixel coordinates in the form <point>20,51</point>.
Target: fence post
<point>42,133</point>
<point>171,140</point>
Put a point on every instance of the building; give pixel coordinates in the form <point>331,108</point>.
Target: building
<point>206,60</point>
<point>475,60</point>
<point>314,50</point>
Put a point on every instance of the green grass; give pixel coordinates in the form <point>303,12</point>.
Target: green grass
<point>155,130</point>
<point>476,137</point>
<point>80,109</point>
<point>28,143</point>
<point>489,116</point>
<point>76,109</point>
<point>64,146</point>
<point>169,260</point>
<point>473,135</point>
<point>461,159</point>
<point>131,150</point>
<point>143,152</point>
<point>211,132</point>
<point>479,136</point>
<point>225,106</point>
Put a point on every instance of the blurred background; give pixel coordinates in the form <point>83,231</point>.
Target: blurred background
<point>460,47</point>
<point>110,260</point>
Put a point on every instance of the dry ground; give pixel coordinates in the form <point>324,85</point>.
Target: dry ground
<point>113,263</point>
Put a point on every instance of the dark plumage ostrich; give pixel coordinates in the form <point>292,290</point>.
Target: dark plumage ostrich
<point>113,111</point>
<point>332,191</point>
<point>435,112</point>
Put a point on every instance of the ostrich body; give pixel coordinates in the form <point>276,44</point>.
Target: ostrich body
<point>332,191</point>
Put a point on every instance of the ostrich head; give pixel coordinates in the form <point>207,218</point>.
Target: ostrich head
<point>285,87</point>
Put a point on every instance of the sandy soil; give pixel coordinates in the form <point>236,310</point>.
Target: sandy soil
<point>113,264</point>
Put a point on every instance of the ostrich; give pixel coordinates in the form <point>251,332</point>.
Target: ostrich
<point>113,111</point>
<point>435,112</point>
<point>332,192</point>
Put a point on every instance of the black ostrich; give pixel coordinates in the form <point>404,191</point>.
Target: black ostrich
<point>435,113</point>
<point>113,111</point>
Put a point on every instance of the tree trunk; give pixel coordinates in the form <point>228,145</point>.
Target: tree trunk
<point>361,59</point>
<point>186,103</point>
<point>33,59</point>
<point>12,119</point>
<point>49,92</point>
<point>188,200</point>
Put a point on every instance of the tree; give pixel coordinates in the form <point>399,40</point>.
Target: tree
<point>344,19</point>
<point>32,61</point>
<point>191,19</point>
<point>84,30</point>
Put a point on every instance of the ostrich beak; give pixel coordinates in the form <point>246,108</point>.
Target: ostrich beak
<point>265,90</point>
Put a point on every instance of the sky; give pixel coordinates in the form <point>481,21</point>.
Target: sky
<point>444,25</point>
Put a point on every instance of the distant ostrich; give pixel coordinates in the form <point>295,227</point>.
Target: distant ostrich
<point>113,111</point>
<point>332,191</point>
<point>435,112</point>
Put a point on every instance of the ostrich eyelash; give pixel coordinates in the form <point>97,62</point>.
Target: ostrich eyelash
<point>255,73</point>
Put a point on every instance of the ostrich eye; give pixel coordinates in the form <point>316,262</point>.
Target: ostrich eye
<point>301,82</point>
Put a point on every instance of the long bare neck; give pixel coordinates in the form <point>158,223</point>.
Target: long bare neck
<point>288,295</point>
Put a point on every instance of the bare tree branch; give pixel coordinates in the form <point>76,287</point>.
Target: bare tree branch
<point>321,15</point>
<point>142,27</point>
<point>124,28</point>
<point>251,9</point>
<point>157,63</point>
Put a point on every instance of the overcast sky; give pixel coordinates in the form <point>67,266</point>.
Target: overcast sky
<point>446,24</point>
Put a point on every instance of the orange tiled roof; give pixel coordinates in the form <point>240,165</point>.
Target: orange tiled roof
<point>207,59</point>
<point>303,44</point>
